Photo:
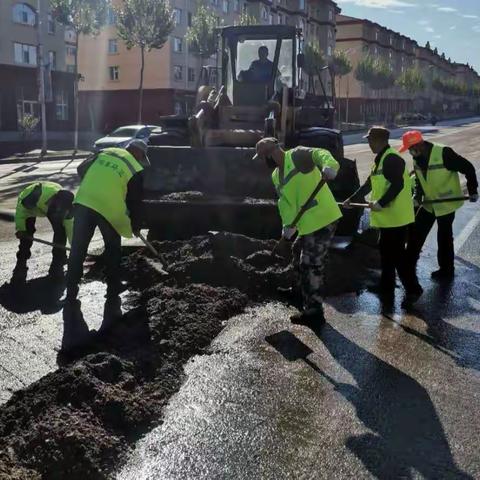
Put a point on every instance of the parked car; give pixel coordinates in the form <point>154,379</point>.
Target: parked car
<point>122,136</point>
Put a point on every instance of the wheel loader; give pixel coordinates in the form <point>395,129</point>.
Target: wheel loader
<point>203,177</point>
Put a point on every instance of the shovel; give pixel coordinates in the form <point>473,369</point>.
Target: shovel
<point>161,266</point>
<point>283,245</point>
<point>51,244</point>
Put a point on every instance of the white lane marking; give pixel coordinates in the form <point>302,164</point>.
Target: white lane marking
<point>463,236</point>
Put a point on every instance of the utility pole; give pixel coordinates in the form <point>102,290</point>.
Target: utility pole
<point>41,75</point>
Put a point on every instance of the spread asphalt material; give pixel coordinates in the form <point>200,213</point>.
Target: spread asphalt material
<point>81,420</point>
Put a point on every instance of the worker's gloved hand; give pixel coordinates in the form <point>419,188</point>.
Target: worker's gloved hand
<point>375,206</point>
<point>21,234</point>
<point>474,198</point>
<point>346,203</point>
<point>329,173</point>
<point>288,232</point>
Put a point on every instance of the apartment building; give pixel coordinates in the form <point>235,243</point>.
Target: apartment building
<point>358,102</point>
<point>19,66</point>
<point>109,90</point>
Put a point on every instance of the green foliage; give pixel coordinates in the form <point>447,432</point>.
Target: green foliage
<point>202,35</point>
<point>28,123</point>
<point>411,80</point>
<point>314,60</point>
<point>375,73</point>
<point>82,16</point>
<point>450,87</point>
<point>145,23</point>
<point>246,19</point>
<point>341,64</point>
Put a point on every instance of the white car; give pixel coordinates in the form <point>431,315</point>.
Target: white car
<point>122,136</point>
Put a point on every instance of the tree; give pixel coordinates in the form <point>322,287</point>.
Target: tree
<point>314,62</point>
<point>83,17</point>
<point>202,35</point>
<point>340,66</point>
<point>411,80</point>
<point>145,24</point>
<point>245,19</point>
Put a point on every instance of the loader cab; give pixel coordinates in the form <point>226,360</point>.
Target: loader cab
<point>258,63</point>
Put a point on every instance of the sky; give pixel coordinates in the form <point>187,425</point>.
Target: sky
<point>451,26</point>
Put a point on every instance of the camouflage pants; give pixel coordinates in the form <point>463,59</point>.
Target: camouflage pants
<point>309,258</point>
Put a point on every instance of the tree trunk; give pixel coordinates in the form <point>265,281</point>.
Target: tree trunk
<point>140,88</point>
<point>75,95</point>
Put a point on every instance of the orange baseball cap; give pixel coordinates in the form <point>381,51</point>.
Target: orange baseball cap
<point>409,139</point>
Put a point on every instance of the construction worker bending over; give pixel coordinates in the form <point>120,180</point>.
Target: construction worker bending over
<point>392,211</point>
<point>437,169</point>
<point>296,175</point>
<point>109,197</point>
<point>42,199</point>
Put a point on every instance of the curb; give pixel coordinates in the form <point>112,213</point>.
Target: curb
<point>53,158</point>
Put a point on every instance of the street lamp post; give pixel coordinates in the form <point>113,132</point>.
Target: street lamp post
<point>41,75</point>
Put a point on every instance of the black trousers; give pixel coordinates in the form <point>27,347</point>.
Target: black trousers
<point>85,222</point>
<point>393,259</point>
<point>59,256</point>
<point>419,231</point>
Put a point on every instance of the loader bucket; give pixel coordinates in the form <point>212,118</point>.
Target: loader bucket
<point>190,191</point>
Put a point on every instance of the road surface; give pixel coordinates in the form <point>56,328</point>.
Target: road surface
<point>389,395</point>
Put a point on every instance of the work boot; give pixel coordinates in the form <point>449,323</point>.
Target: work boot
<point>112,312</point>
<point>19,275</point>
<point>75,331</point>
<point>413,296</point>
<point>312,318</point>
<point>443,275</point>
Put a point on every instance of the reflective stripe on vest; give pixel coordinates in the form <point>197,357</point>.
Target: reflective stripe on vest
<point>399,211</point>
<point>294,191</point>
<point>439,183</point>
<point>104,187</point>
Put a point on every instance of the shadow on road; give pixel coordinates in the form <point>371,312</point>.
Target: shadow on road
<point>407,436</point>
<point>42,294</point>
<point>120,334</point>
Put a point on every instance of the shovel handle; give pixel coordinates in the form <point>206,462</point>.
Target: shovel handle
<point>50,244</point>
<point>148,244</point>
<point>355,205</point>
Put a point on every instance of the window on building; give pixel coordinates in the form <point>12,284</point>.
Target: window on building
<point>25,54</point>
<point>23,13</point>
<point>270,19</point>
<point>301,4</point>
<point>215,2</point>
<point>264,14</point>
<point>177,44</point>
<point>52,59</point>
<point>177,107</point>
<point>71,68</point>
<point>177,72</point>
<point>280,19</point>
<point>112,46</point>
<point>377,33</point>
<point>331,15</point>
<point>114,73</point>
<point>111,18</point>
<point>329,51</point>
<point>71,51</point>
<point>236,5</point>
<point>61,105</point>
<point>191,74</point>
<point>51,24</point>
<point>225,6</point>
<point>177,15</point>
<point>189,19</point>
<point>375,50</point>
<point>330,34</point>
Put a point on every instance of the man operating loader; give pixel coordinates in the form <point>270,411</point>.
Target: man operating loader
<point>297,175</point>
<point>42,199</point>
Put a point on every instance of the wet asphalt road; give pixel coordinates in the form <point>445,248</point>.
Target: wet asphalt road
<point>373,395</point>
<point>392,395</point>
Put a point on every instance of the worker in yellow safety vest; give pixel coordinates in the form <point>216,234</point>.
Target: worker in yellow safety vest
<point>296,174</point>
<point>437,169</point>
<point>391,203</point>
<point>42,199</point>
<point>110,198</point>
